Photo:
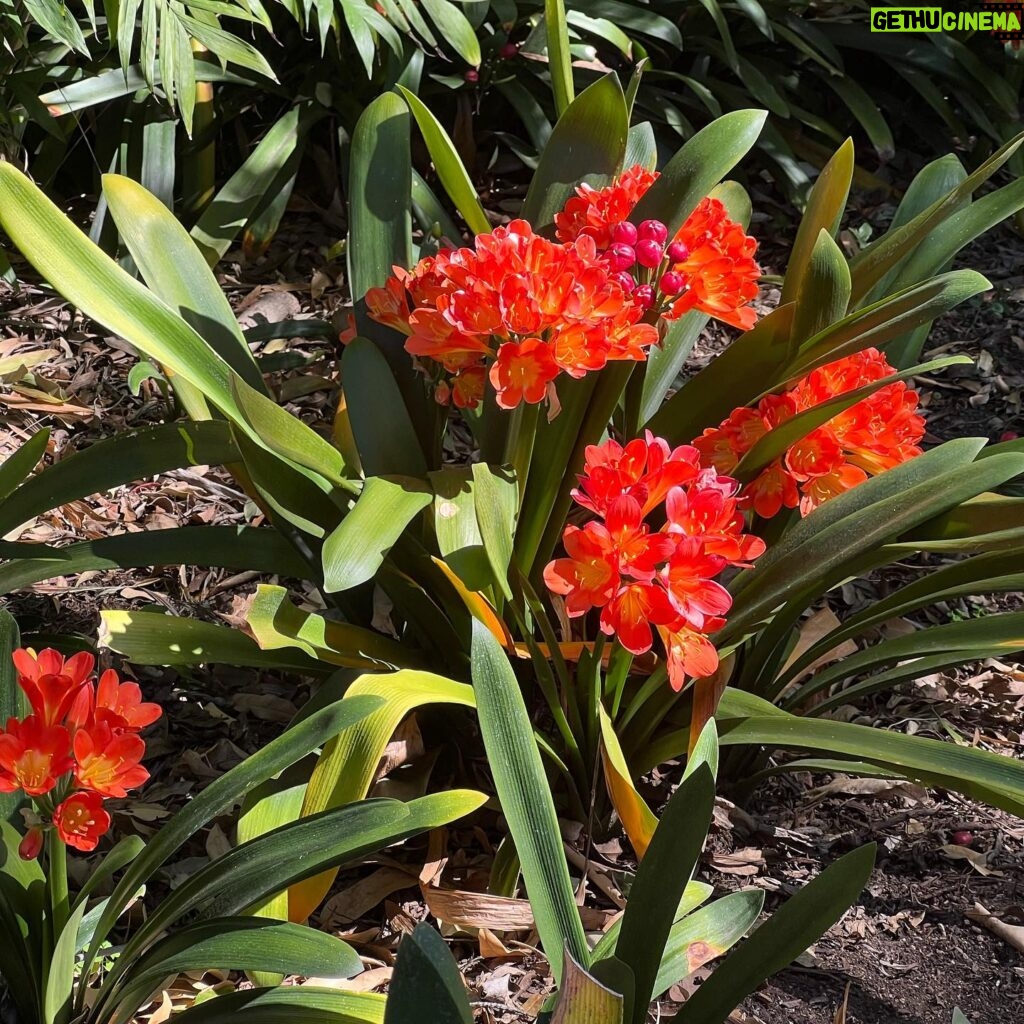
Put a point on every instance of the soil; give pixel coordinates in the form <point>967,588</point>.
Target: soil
<point>906,953</point>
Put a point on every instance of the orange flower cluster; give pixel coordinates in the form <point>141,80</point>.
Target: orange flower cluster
<point>80,744</point>
<point>516,309</point>
<point>709,265</point>
<point>874,435</point>
<point>664,578</point>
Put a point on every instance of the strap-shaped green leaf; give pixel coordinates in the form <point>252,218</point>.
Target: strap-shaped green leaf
<point>706,934</point>
<point>245,875</point>
<point>380,188</point>
<point>277,623</point>
<point>660,881</point>
<point>860,532</point>
<point>12,702</point>
<point>986,637</point>
<point>229,547</point>
<point>450,169</point>
<point>354,551</point>
<point>426,975</point>
<point>583,999</point>
<point>588,142</point>
<point>286,1005</point>
<point>559,55</point>
<point>153,638</point>
<point>526,801</point>
<point>987,573</point>
<point>60,980</point>
<point>824,290</point>
<point>175,270</point>
<point>701,163</point>
<point>348,764</point>
<point>253,183</point>
<point>294,744</point>
<point>985,776</point>
<point>872,263</point>
<point>381,424</point>
<point>130,456</point>
<point>239,943</point>
<point>781,939</point>
<point>17,466</point>
<point>825,205</point>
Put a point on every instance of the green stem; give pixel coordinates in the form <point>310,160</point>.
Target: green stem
<point>611,381</point>
<point>519,443</point>
<point>654,715</point>
<point>615,678</point>
<point>546,683</point>
<point>652,685</point>
<point>57,882</point>
<point>588,679</point>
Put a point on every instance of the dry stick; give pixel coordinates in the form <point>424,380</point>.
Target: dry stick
<point>1013,934</point>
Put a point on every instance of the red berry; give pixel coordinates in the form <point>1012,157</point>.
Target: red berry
<point>509,51</point>
<point>677,253</point>
<point>643,296</point>
<point>962,838</point>
<point>620,256</point>
<point>625,233</point>
<point>472,75</point>
<point>625,279</point>
<point>672,283</point>
<point>653,230</point>
<point>1008,435</point>
<point>648,252</point>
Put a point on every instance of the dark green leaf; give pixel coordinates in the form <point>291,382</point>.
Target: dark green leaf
<point>426,975</point>
<point>526,801</point>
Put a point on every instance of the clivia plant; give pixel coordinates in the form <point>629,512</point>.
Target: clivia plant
<point>643,544</point>
<point>69,956</point>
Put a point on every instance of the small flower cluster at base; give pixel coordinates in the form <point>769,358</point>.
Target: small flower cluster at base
<point>666,577</point>
<point>516,309</point>
<point>877,433</point>
<point>708,266</point>
<point>80,744</point>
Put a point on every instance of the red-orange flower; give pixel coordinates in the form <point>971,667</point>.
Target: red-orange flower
<point>33,756</point>
<point>517,304</point>
<point>708,265</point>
<point>81,821</point>
<point>108,761</point>
<point>642,578</point>
<point>598,211</point>
<point>589,576</point>
<point>119,705</point>
<point>522,372</point>
<point>719,268</point>
<point>871,436</point>
<point>50,681</point>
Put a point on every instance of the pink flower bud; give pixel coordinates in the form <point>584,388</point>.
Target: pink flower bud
<point>31,846</point>
<point>649,253</point>
<point>672,283</point>
<point>509,51</point>
<point>620,256</point>
<point>625,233</point>
<point>643,296</point>
<point>677,252</point>
<point>442,393</point>
<point>625,279</point>
<point>472,76</point>
<point>653,230</point>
